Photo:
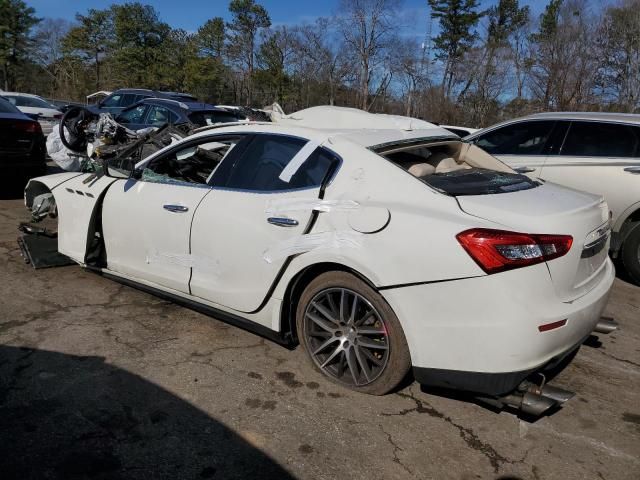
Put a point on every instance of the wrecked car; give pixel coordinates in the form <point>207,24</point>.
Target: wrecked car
<point>377,243</point>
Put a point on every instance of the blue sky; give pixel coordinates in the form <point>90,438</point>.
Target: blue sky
<point>190,14</point>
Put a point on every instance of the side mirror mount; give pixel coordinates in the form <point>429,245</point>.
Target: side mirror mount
<point>118,167</point>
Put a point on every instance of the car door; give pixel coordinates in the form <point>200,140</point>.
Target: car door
<point>522,145</point>
<point>601,158</point>
<point>147,220</point>
<point>239,237</point>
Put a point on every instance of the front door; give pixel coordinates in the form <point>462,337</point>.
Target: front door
<point>147,221</point>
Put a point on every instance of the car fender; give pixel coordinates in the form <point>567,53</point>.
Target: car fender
<point>78,197</point>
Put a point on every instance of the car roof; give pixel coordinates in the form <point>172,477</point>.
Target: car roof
<point>364,137</point>
<point>20,94</point>
<point>157,93</point>
<point>592,116</point>
<point>194,106</point>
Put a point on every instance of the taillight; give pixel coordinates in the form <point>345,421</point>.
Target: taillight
<point>29,127</point>
<point>498,250</point>
<point>57,116</point>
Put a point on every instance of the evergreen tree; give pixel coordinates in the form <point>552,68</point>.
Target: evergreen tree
<point>16,21</point>
<point>457,20</point>
<point>248,18</point>
<point>91,39</point>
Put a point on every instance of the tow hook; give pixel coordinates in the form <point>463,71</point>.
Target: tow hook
<point>606,325</point>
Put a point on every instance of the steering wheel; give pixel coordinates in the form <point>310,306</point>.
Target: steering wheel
<point>75,120</point>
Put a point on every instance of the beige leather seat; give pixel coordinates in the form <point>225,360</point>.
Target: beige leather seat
<point>421,169</point>
<point>443,163</point>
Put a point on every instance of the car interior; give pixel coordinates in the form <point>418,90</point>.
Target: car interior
<point>194,164</point>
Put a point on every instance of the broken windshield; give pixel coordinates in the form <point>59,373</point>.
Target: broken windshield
<point>478,181</point>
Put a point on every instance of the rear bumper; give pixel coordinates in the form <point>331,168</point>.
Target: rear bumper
<point>492,384</point>
<point>481,334</point>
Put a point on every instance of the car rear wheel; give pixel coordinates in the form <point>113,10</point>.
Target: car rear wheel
<point>631,255</point>
<point>351,334</point>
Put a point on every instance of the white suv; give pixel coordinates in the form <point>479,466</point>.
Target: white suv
<point>594,152</point>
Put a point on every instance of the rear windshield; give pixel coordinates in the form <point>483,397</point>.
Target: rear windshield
<point>21,101</point>
<point>478,181</point>
<point>6,107</point>
<point>457,168</point>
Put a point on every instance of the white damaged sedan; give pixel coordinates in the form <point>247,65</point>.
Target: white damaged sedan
<point>378,249</point>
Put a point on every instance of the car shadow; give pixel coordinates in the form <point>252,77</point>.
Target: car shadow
<point>70,417</point>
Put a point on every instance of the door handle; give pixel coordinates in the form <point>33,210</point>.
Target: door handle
<point>633,170</point>
<point>283,221</point>
<point>176,208</point>
<point>524,169</point>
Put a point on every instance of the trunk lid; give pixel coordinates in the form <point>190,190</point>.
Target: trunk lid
<point>552,209</point>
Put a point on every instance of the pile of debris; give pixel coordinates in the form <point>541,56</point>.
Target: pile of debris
<point>84,140</point>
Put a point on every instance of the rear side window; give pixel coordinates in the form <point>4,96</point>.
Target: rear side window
<point>593,139</point>
<point>134,115</point>
<point>127,99</point>
<point>160,115</point>
<point>264,159</point>
<point>522,138</point>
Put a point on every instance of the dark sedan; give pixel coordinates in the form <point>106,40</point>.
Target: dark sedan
<point>153,112</point>
<point>22,144</point>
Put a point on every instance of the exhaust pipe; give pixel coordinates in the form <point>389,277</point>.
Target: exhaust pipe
<point>529,403</point>
<point>558,394</point>
<point>606,325</point>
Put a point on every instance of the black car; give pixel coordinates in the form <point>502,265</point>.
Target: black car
<point>117,101</point>
<point>154,112</point>
<point>22,144</point>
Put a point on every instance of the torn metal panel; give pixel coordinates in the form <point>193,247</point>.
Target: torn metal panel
<point>313,241</point>
<point>41,251</point>
<point>42,206</point>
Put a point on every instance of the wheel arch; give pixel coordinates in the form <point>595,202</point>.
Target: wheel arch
<point>631,220</point>
<point>297,285</point>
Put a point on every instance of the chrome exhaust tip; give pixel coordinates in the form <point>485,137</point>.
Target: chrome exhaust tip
<point>529,403</point>
<point>558,394</point>
<point>606,325</point>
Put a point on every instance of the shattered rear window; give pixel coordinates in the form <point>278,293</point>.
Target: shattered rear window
<point>477,181</point>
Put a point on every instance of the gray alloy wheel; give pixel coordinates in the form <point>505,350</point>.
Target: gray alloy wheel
<point>351,334</point>
<point>346,336</point>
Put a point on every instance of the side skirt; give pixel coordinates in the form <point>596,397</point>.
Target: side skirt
<point>223,316</point>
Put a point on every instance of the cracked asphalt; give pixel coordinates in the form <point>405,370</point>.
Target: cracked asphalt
<point>98,380</point>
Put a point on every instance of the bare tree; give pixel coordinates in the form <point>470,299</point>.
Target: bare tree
<point>619,48</point>
<point>563,60</point>
<point>368,28</point>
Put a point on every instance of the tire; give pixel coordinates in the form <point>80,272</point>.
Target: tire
<point>631,255</point>
<point>339,344</point>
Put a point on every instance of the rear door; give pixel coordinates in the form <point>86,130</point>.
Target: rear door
<point>239,238</point>
<point>601,158</point>
<point>522,145</point>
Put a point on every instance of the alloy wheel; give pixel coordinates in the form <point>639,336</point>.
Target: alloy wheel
<point>346,336</point>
